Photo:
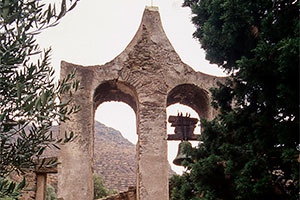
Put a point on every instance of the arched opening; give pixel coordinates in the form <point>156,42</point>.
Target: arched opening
<point>115,90</point>
<point>192,96</point>
<point>186,98</point>
<point>115,138</point>
<point>120,116</point>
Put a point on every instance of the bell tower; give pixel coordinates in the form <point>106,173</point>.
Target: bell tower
<point>149,76</point>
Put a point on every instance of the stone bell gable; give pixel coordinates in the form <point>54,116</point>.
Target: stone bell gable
<point>149,76</point>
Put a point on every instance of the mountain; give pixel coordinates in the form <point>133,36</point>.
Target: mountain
<point>114,158</point>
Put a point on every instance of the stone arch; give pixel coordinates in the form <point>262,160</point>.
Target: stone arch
<point>191,95</point>
<point>114,90</point>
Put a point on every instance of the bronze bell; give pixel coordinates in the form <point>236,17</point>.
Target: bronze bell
<point>182,156</point>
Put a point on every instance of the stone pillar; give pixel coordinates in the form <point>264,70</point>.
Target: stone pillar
<point>75,171</point>
<point>41,186</point>
<point>152,177</point>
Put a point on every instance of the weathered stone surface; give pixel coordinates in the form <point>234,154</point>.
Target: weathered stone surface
<point>41,186</point>
<point>149,76</point>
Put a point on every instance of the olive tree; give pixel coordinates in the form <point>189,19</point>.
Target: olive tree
<point>30,99</point>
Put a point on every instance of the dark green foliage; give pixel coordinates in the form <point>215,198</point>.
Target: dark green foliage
<point>30,101</point>
<point>10,189</point>
<point>6,198</point>
<point>251,149</point>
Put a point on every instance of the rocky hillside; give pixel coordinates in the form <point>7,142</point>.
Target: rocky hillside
<point>114,158</point>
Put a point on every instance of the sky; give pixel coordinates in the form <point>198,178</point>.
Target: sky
<point>96,31</point>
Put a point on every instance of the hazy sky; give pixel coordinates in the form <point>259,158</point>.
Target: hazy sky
<point>96,31</point>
